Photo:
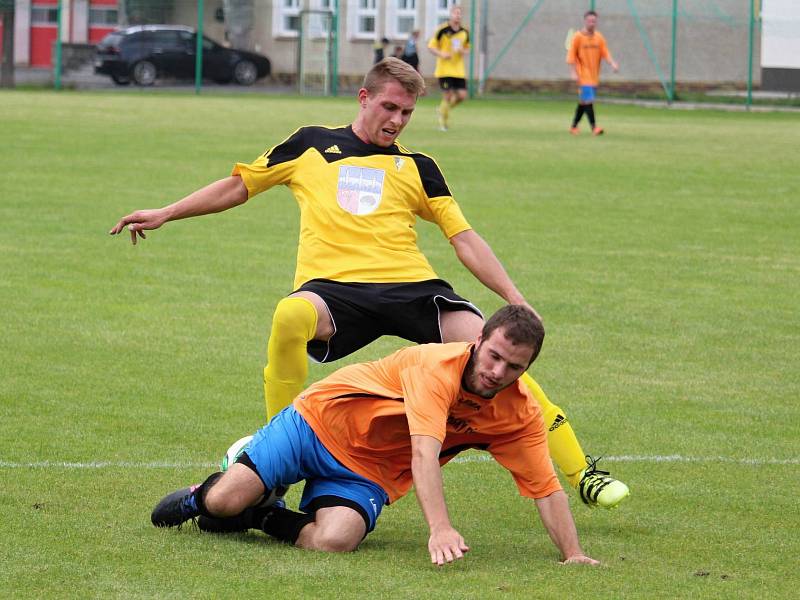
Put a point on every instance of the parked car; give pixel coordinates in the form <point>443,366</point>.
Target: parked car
<point>144,53</point>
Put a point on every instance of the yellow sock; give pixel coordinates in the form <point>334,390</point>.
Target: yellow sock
<point>293,325</point>
<point>564,446</point>
<point>444,110</point>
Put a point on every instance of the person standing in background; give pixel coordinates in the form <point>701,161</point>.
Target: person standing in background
<point>587,50</point>
<point>449,44</point>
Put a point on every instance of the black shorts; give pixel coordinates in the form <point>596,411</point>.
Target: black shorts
<point>452,83</point>
<point>363,312</point>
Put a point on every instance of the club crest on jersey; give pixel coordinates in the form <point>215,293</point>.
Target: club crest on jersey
<point>398,162</point>
<point>360,189</point>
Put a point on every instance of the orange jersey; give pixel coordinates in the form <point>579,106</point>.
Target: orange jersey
<point>586,52</point>
<point>365,415</point>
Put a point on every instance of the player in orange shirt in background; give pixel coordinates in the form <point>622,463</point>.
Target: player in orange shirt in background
<point>363,435</point>
<point>587,49</point>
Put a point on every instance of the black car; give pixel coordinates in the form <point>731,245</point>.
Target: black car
<point>145,52</point>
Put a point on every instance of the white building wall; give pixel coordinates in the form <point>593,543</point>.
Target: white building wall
<point>22,32</point>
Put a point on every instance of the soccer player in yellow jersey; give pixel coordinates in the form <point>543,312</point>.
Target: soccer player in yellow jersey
<point>360,274</point>
<point>587,50</point>
<point>450,44</point>
<point>361,436</point>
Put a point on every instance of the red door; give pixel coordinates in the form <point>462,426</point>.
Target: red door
<point>103,19</point>
<point>44,30</point>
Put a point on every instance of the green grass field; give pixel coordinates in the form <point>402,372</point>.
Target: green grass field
<point>664,257</point>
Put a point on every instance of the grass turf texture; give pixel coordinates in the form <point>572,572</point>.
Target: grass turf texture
<point>664,257</point>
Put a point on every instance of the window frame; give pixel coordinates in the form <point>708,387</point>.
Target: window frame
<point>51,10</point>
<point>280,12</point>
<point>435,16</point>
<point>354,14</point>
<point>393,15</point>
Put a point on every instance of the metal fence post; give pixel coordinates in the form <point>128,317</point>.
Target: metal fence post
<point>674,51</point>
<point>471,80</point>
<point>57,66</point>
<point>750,55</point>
<point>335,50</point>
<point>198,59</point>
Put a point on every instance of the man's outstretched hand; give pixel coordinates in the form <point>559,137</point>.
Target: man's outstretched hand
<point>136,223</point>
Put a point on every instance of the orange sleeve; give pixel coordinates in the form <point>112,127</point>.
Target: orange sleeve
<point>604,53</point>
<point>528,459</point>
<point>427,396</point>
<point>572,53</point>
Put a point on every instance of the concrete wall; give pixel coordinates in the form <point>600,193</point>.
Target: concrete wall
<point>712,40</point>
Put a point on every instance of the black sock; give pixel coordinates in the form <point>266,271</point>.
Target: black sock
<point>200,493</point>
<point>281,523</point>
<point>578,114</point>
<point>590,113</point>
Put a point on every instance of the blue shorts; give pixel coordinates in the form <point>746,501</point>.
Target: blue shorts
<point>287,451</point>
<point>587,93</point>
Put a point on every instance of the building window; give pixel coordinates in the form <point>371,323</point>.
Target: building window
<point>436,13</point>
<point>401,18</point>
<point>319,25</point>
<point>103,17</point>
<point>363,19</point>
<point>286,17</point>
<point>44,15</point>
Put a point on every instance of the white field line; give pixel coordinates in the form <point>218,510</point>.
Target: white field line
<point>483,457</point>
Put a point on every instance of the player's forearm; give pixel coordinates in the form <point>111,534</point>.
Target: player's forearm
<point>213,198</point>
<point>557,519</point>
<point>572,69</point>
<point>427,475</point>
<point>475,254</point>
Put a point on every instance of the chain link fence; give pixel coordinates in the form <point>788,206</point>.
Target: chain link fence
<point>667,49</point>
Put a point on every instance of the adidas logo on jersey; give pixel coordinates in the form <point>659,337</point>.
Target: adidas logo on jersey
<point>398,162</point>
<point>333,150</point>
<point>558,422</point>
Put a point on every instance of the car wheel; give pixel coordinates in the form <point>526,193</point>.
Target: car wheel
<point>120,79</point>
<point>245,73</point>
<point>144,72</point>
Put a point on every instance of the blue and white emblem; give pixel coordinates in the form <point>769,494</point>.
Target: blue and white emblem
<point>360,189</point>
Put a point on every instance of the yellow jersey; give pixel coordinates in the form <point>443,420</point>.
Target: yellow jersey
<point>448,40</point>
<point>358,204</point>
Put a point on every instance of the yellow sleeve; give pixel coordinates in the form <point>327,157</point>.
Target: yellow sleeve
<point>447,215</point>
<point>436,203</point>
<point>275,167</point>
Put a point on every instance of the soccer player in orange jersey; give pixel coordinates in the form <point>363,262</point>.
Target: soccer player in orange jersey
<point>363,435</point>
<point>587,50</point>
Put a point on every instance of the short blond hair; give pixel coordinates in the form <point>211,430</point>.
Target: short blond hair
<point>394,68</point>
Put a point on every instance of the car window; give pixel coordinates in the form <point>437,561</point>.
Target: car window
<point>112,39</point>
<point>209,44</point>
<point>164,38</point>
<point>135,38</point>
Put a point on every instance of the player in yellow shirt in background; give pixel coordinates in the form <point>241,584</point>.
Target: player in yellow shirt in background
<point>449,44</point>
<point>360,274</point>
<point>584,56</point>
